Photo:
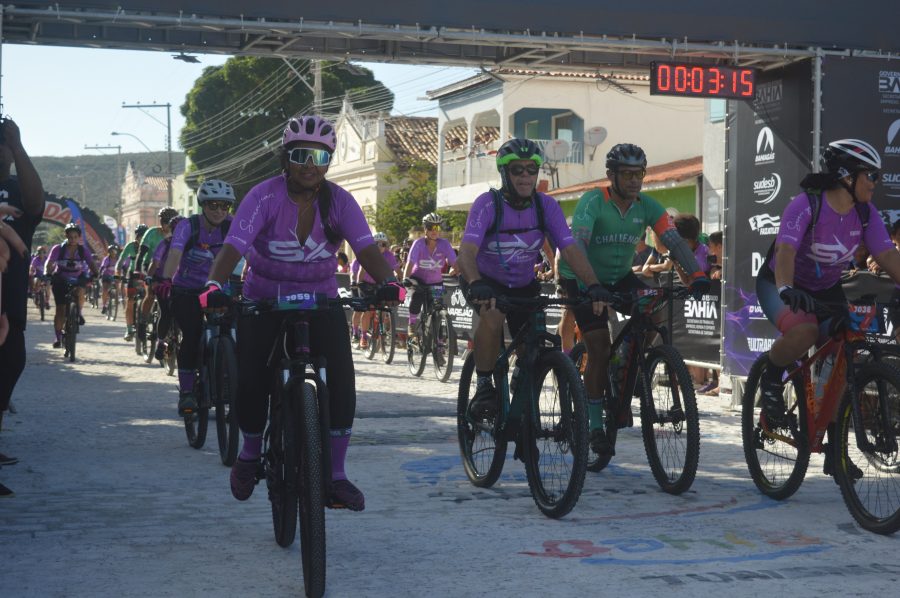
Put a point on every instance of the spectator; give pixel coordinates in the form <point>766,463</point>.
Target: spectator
<point>343,262</point>
<point>715,255</point>
<point>23,196</point>
<point>860,257</point>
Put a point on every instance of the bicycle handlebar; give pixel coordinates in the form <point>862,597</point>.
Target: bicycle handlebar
<point>302,302</point>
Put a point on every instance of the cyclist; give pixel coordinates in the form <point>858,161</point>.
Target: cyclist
<point>108,273</point>
<point>68,263</point>
<point>609,228</point>
<point>36,271</point>
<point>149,242</point>
<point>810,254</point>
<point>367,284</point>
<point>504,235</point>
<point>126,267</point>
<point>290,227</point>
<point>195,244</point>
<point>157,265</point>
<point>425,264</point>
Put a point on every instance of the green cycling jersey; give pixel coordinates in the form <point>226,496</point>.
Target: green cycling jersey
<point>149,241</point>
<point>129,257</point>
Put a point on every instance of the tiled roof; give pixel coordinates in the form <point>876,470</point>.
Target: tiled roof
<point>159,182</point>
<point>677,171</point>
<point>456,137</point>
<point>412,138</point>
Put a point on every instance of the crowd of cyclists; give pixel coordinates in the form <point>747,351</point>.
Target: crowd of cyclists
<point>285,237</point>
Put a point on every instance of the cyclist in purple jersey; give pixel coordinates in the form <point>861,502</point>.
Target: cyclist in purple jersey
<point>36,270</point>
<point>108,273</point>
<point>368,286</point>
<point>291,248</point>
<point>810,256</point>
<point>68,263</point>
<point>497,258</point>
<point>425,264</point>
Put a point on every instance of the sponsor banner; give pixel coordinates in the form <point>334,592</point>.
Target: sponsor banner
<point>62,210</point>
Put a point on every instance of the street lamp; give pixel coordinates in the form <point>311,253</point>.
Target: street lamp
<point>168,126</point>
<point>133,137</point>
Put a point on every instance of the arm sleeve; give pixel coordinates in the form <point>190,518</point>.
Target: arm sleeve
<point>481,217</point>
<point>679,249</point>
<point>141,265</point>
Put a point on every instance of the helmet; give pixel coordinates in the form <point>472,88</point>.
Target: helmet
<point>432,218</point>
<point>380,238</point>
<point>112,247</point>
<point>310,128</point>
<point>519,149</point>
<point>139,230</point>
<point>625,154</point>
<point>166,215</point>
<point>72,226</point>
<point>846,156</point>
<point>214,189</point>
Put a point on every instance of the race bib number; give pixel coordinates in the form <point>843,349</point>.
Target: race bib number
<point>866,318</point>
<point>302,301</point>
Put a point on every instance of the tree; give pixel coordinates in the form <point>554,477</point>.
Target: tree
<point>403,208</point>
<point>235,113</point>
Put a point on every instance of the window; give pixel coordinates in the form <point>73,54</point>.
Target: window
<point>563,126</point>
<point>532,129</point>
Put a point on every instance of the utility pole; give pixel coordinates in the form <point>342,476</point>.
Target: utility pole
<point>118,198</point>
<point>317,86</point>
<point>168,126</point>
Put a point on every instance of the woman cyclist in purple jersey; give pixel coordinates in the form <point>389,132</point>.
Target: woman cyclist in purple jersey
<point>425,264</point>
<point>810,256</point>
<point>291,247</point>
<point>68,263</point>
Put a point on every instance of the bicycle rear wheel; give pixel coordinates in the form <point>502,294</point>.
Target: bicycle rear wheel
<point>388,337</point>
<point>670,424</point>
<point>483,450</point>
<point>150,333</point>
<point>596,462</point>
<point>196,424</point>
<point>71,328</point>
<point>312,493</point>
<point>415,353</point>
<point>444,346</point>
<point>869,475</point>
<point>777,459</point>
<point>226,373</point>
<point>556,437</point>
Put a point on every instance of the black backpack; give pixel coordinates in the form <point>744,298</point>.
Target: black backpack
<point>498,216</point>
<point>195,231</point>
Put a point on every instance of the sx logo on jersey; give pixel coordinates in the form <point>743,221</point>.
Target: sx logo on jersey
<point>765,224</point>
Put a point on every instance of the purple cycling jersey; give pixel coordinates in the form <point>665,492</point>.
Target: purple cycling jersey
<point>108,267</point>
<point>823,252</point>
<point>364,276</point>
<point>68,262</point>
<point>509,258</point>
<point>701,254</point>
<point>160,255</point>
<point>37,265</point>
<point>428,266</point>
<point>264,230</point>
<point>193,268</point>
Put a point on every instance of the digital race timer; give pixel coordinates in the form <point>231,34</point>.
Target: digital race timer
<point>702,81</point>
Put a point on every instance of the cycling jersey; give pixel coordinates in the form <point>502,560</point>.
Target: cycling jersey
<point>107,267</point>
<point>428,266</point>
<point>610,237</point>
<point>824,250</point>
<point>364,276</point>
<point>264,231</point>
<point>160,255</point>
<point>127,259</point>
<point>193,269</point>
<point>149,242</point>
<point>36,268</point>
<point>509,257</point>
<point>68,262</point>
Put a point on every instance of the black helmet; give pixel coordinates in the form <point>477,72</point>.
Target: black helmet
<point>139,230</point>
<point>846,156</point>
<point>166,214</point>
<point>625,154</point>
<point>519,149</point>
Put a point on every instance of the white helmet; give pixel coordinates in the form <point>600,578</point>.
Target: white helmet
<point>380,238</point>
<point>214,189</point>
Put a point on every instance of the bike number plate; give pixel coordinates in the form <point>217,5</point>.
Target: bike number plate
<point>866,318</point>
<point>302,301</point>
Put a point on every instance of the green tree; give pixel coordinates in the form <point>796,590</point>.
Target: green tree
<point>403,208</point>
<point>235,113</point>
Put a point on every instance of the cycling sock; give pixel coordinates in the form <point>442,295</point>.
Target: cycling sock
<point>252,447</point>
<point>129,329</point>
<point>340,440</point>
<point>186,380</point>
<point>595,412</point>
<point>58,335</point>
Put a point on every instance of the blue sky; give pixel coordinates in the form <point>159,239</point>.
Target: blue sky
<point>66,98</point>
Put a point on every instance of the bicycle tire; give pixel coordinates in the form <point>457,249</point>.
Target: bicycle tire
<point>415,354</point>
<point>225,400</point>
<point>874,498</point>
<point>112,310</point>
<point>372,334</point>
<point>150,333</point>
<point>444,346</point>
<point>196,424</point>
<point>71,329</point>
<point>281,474</point>
<point>42,302</point>
<point>777,464</point>
<point>596,462</point>
<point>482,449</point>
<point>312,490</point>
<point>556,450</point>
<point>670,423</point>
<point>138,323</point>
<point>388,336</point>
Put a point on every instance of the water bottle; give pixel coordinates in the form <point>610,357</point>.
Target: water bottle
<point>824,373</point>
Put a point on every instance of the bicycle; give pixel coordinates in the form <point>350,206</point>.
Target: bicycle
<point>42,299</point>
<point>381,335</point>
<point>861,393</point>
<point>542,408</point>
<point>151,323</point>
<point>296,460</point>
<point>140,339</point>
<point>71,327</point>
<point>670,422</point>
<point>94,294</point>
<point>112,300</point>
<point>173,342</point>
<point>434,335</point>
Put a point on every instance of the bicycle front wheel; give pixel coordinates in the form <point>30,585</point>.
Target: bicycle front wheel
<point>282,467</point>
<point>415,353</point>
<point>225,399</point>
<point>372,334</point>
<point>112,311</point>
<point>71,329</point>
<point>670,424</point>
<point>388,338</point>
<point>482,448</point>
<point>150,333</point>
<point>312,493</point>
<point>777,458</point>
<point>196,424</point>
<point>868,470</point>
<point>42,302</point>
<point>555,435</point>
<point>444,346</point>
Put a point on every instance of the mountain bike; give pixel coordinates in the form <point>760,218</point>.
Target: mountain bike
<point>71,327</point>
<point>381,334</point>
<point>542,408</point>
<point>140,338</point>
<point>151,324</point>
<point>670,422</point>
<point>94,294</point>
<point>433,334</point>
<point>296,456</point>
<point>173,342</point>
<point>42,299</point>
<point>845,381</point>
<point>112,300</point>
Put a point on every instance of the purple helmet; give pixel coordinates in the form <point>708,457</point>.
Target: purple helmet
<point>310,128</point>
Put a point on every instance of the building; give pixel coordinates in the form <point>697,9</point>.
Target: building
<point>142,198</point>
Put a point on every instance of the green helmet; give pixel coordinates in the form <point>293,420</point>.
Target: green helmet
<point>519,149</point>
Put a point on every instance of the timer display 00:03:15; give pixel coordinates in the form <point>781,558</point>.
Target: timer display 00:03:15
<point>702,81</point>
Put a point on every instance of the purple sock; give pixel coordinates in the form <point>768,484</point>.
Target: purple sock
<point>59,335</point>
<point>340,440</point>
<point>251,448</point>
<point>185,380</point>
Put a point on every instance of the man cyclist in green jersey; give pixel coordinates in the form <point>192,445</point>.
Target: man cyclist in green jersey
<point>126,268</point>
<point>149,242</point>
<point>609,228</point>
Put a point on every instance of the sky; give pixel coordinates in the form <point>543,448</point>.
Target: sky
<point>64,99</point>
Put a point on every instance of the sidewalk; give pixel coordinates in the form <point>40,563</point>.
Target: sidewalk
<point>111,501</point>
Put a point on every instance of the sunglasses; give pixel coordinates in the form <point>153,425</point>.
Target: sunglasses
<point>382,244</point>
<point>217,205</point>
<point>519,170</point>
<point>432,227</point>
<point>627,175</point>
<point>873,175</point>
<point>302,155</point>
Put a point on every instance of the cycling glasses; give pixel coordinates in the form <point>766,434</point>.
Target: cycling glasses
<point>432,227</point>
<point>519,170</point>
<point>873,175</point>
<point>301,155</point>
<point>627,175</point>
<point>217,205</point>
